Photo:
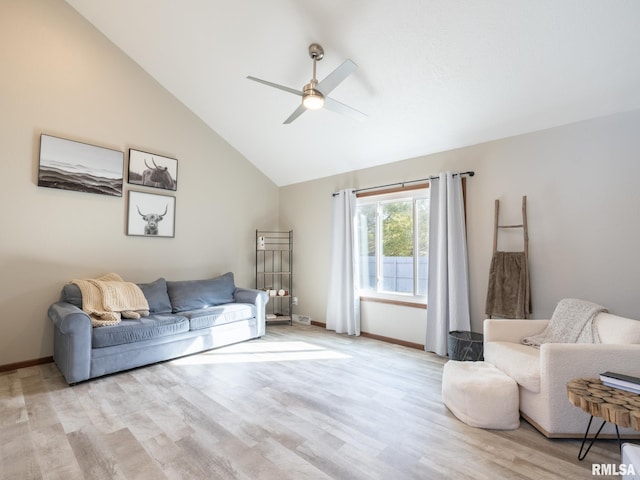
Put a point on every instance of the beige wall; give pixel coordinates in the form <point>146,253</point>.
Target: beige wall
<point>582,199</point>
<point>62,77</point>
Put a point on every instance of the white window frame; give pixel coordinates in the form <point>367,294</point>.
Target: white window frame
<point>379,199</point>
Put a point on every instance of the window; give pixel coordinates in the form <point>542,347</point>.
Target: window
<point>393,243</point>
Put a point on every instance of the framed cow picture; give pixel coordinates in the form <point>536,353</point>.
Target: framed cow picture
<point>151,215</point>
<point>151,170</point>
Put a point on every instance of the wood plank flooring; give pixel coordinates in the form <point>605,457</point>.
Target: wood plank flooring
<point>300,403</point>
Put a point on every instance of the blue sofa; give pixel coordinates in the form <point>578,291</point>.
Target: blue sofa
<point>185,317</point>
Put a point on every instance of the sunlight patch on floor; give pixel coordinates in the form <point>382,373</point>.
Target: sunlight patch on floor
<point>251,352</point>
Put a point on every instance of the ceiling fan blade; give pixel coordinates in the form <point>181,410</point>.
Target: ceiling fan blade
<point>336,106</point>
<point>332,80</point>
<point>275,85</point>
<point>298,111</point>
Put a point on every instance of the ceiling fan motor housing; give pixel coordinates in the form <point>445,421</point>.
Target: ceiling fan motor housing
<point>316,52</point>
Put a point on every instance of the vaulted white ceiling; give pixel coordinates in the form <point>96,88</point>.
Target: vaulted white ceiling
<point>432,74</point>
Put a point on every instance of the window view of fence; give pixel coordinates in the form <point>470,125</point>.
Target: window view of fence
<point>393,244</point>
<point>397,274</point>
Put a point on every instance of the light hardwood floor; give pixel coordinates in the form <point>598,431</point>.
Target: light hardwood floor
<point>300,403</point>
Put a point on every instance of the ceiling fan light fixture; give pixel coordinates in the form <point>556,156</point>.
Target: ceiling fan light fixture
<point>315,93</point>
<point>312,98</point>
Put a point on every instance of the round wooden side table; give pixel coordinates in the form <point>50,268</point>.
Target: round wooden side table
<point>613,405</point>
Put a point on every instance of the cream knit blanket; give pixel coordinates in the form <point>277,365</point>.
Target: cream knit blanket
<point>107,299</point>
<point>571,322</point>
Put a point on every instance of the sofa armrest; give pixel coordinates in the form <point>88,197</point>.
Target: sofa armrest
<point>500,330</point>
<point>249,295</point>
<point>71,341</point>
<point>70,319</point>
<point>258,298</point>
<point>561,362</point>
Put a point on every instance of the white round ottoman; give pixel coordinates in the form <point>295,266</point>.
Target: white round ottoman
<point>481,395</point>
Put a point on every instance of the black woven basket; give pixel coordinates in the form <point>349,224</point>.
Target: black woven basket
<point>465,346</point>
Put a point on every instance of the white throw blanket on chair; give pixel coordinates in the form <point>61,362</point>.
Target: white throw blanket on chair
<point>571,322</point>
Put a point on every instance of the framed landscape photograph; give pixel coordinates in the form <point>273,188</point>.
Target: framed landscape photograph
<point>152,170</point>
<point>80,167</point>
<point>151,215</point>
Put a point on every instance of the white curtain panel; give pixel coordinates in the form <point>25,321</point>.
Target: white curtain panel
<point>343,302</point>
<point>448,288</point>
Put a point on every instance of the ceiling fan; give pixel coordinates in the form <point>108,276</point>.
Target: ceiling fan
<point>315,94</point>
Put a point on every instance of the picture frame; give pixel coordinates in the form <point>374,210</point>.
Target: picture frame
<point>151,170</point>
<point>151,214</point>
<point>80,167</point>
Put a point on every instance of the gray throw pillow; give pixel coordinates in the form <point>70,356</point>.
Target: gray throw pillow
<point>154,292</point>
<point>194,294</point>
<point>157,296</point>
<point>71,293</point>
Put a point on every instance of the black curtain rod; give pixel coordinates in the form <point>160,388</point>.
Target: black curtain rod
<point>470,173</point>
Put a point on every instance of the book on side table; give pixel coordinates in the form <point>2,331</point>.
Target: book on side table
<point>623,382</point>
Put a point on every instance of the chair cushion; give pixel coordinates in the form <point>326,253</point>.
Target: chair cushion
<point>212,316</point>
<point>617,330</point>
<point>520,362</point>
<point>137,330</point>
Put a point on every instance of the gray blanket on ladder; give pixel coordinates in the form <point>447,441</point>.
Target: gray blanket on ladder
<point>509,292</point>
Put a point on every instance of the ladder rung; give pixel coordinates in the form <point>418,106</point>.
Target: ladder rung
<point>523,225</point>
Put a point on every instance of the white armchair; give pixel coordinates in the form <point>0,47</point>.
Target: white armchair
<point>542,374</point>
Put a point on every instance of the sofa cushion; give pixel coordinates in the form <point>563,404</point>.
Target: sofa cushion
<point>617,330</point>
<point>520,362</point>
<point>195,294</point>
<point>155,293</point>
<point>144,328</point>
<point>157,296</point>
<point>71,294</point>
<point>212,316</point>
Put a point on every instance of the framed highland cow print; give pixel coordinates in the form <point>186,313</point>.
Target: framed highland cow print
<point>151,215</point>
<point>150,170</point>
